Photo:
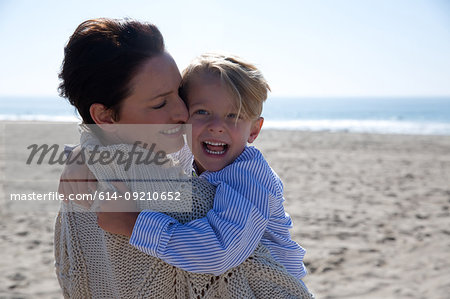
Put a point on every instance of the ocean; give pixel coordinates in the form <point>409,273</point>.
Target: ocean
<point>424,116</point>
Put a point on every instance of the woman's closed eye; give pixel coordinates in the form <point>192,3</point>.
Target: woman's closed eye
<point>160,105</point>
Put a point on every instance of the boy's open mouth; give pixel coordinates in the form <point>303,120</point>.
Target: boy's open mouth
<point>215,148</point>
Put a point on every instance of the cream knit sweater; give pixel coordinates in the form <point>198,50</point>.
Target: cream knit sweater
<point>91,263</point>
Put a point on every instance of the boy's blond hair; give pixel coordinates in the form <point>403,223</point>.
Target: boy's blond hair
<point>243,80</point>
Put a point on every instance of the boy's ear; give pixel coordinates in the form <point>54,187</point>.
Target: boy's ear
<point>102,116</point>
<point>255,129</point>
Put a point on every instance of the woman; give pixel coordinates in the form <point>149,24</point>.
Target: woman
<point>117,72</point>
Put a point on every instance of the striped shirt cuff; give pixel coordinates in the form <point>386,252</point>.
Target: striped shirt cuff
<point>150,232</point>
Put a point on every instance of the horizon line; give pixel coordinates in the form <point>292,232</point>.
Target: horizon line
<point>15,96</point>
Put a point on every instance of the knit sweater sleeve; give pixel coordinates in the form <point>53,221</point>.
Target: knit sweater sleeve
<point>70,266</point>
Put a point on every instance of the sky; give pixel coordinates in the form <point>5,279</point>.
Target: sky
<point>322,48</point>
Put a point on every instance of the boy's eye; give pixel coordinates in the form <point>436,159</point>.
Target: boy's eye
<point>201,112</point>
<point>233,116</point>
<point>159,106</point>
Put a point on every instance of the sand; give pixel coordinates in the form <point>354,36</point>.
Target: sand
<point>372,212</point>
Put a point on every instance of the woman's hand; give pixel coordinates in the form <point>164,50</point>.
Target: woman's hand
<point>76,181</point>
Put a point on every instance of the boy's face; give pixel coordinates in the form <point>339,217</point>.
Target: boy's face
<point>218,134</point>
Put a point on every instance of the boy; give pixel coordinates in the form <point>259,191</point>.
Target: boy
<point>224,95</point>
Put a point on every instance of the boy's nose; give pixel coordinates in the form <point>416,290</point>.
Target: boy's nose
<point>216,125</point>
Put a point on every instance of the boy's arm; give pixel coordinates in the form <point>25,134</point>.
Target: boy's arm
<point>226,236</point>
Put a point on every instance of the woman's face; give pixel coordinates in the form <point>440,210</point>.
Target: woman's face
<point>154,101</point>
<point>154,95</point>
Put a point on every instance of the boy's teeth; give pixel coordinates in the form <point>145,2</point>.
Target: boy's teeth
<point>215,143</point>
<point>215,148</point>
<point>214,153</point>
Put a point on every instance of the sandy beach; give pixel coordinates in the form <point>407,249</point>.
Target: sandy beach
<point>371,210</point>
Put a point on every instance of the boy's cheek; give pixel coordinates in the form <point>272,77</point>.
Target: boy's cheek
<point>195,126</point>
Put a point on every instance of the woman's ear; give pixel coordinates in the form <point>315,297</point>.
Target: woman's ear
<point>255,129</point>
<point>100,114</point>
<point>103,117</point>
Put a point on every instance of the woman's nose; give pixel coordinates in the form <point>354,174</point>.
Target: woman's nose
<point>180,113</point>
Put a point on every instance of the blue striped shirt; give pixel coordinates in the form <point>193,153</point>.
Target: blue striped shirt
<point>248,209</point>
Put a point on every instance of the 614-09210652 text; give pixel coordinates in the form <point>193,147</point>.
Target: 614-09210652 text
<point>165,196</point>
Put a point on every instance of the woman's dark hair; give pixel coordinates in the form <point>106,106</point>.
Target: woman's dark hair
<point>100,60</point>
